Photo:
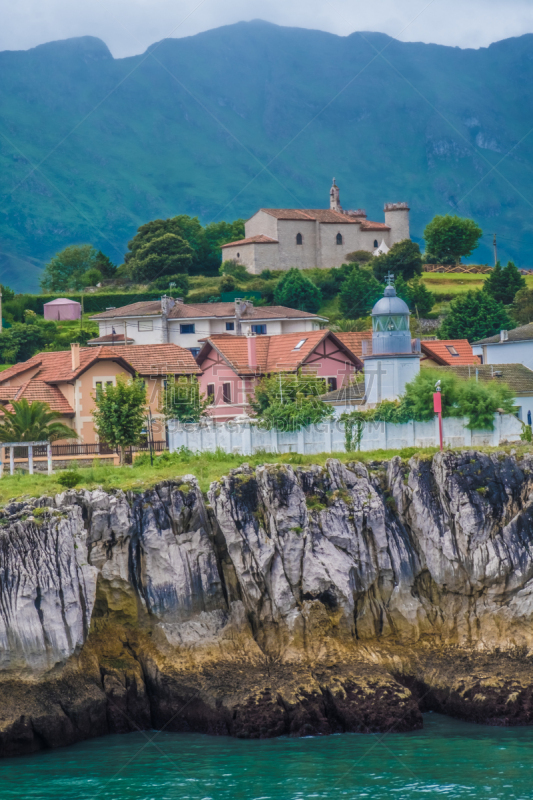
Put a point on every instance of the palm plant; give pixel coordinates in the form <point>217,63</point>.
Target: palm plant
<point>32,422</point>
<point>351,325</point>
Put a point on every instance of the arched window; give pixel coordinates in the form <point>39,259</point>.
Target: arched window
<point>238,255</point>
<point>376,243</point>
<point>299,238</point>
<point>339,238</point>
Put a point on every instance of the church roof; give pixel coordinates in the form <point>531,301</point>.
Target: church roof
<point>260,239</point>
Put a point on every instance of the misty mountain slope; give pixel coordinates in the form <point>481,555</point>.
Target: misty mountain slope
<point>254,115</point>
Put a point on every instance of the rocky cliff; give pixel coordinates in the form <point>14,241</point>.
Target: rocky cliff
<point>292,601</point>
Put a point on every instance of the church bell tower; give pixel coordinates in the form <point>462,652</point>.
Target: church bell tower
<point>334,198</point>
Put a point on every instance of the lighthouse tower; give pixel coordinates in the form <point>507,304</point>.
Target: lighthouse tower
<point>395,358</point>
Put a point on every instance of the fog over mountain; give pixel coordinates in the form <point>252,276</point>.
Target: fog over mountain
<point>253,115</point>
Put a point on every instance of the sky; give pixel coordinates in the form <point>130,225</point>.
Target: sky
<point>129,26</point>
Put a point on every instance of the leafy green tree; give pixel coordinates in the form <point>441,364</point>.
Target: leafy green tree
<point>33,422</point>
<point>522,311</point>
<point>295,290</point>
<point>289,402</point>
<point>180,288</point>
<point>359,257</point>
<point>473,316</point>
<point>217,234</point>
<point>23,340</point>
<point>92,277</point>
<point>65,269</point>
<point>417,401</point>
<point>479,401</point>
<point>402,259</point>
<point>450,238</point>
<point>504,282</point>
<point>235,269</point>
<point>168,254</point>
<point>181,399</point>
<point>358,294</point>
<point>416,294</point>
<point>119,413</point>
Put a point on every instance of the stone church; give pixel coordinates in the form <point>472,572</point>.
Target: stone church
<point>281,238</point>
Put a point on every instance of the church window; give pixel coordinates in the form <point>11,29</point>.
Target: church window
<point>299,238</point>
<point>238,255</point>
<point>376,243</point>
<point>339,238</point>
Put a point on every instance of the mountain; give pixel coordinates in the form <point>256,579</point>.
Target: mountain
<point>250,115</point>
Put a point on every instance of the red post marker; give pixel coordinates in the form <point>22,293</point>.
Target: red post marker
<point>437,408</point>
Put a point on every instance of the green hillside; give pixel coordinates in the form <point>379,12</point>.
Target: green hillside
<point>254,115</point>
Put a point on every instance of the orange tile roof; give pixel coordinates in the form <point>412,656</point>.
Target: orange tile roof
<point>354,341</point>
<point>374,226</point>
<point>110,339</point>
<point>156,359</point>
<point>144,359</point>
<point>260,239</point>
<point>274,353</point>
<point>438,350</point>
<point>326,215</point>
<point>40,391</point>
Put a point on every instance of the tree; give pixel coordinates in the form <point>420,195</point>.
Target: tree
<point>181,399</point>
<point>23,340</point>
<point>504,283</point>
<point>289,402</point>
<point>92,277</point>
<point>166,255</point>
<point>105,265</point>
<point>294,290</point>
<point>120,413</point>
<point>235,269</point>
<point>180,288</point>
<point>416,294</point>
<point>449,238</point>
<point>522,311</point>
<point>352,325</point>
<point>479,401</point>
<point>473,316</point>
<point>403,259</point>
<point>217,234</point>
<point>359,257</point>
<point>65,269</point>
<point>359,293</point>
<point>33,422</point>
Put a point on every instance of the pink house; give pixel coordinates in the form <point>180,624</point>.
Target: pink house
<point>232,365</point>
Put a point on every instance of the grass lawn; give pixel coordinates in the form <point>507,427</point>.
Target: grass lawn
<point>206,467</point>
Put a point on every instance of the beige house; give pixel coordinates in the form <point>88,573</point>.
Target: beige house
<point>68,380</point>
<point>281,238</point>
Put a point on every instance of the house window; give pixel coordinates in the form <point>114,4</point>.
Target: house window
<point>187,328</point>
<point>299,238</point>
<point>145,325</point>
<point>376,244</point>
<point>238,255</point>
<point>260,330</point>
<point>332,384</point>
<point>230,326</point>
<point>211,392</point>
<point>339,238</point>
<point>226,392</point>
<point>300,344</point>
<point>194,351</point>
<point>99,385</point>
<point>451,350</point>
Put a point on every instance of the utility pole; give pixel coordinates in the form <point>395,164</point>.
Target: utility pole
<point>495,250</point>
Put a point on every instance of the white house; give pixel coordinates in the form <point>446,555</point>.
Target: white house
<point>507,347</point>
<point>188,324</point>
<point>281,238</point>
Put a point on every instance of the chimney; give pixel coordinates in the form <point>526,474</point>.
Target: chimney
<point>167,304</point>
<point>179,300</point>
<point>241,307</point>
<point>504,336</point>
<point>251,341</point>
<point>75,354</point>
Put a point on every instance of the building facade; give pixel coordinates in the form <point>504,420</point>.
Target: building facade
<point>189,324</point>
<point>507,347</point>
<point>282,238</point>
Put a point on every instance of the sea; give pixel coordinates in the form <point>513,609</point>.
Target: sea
<point>448,759</point>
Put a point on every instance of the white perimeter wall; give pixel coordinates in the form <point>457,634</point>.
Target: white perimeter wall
<point>328,437</point>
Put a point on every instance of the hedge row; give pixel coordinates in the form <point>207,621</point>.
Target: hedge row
<point>92,303</point>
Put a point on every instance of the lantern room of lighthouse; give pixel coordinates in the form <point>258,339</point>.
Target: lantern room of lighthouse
<point>395,358</point>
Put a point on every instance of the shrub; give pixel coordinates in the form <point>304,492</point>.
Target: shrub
<point>473,316</point>
<point>69,478</point>
<point>295,290</point>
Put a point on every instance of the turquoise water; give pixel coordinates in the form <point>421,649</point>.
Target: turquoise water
<point>447,759</point>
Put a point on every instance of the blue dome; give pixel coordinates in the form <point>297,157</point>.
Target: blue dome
<point>390,304</point>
